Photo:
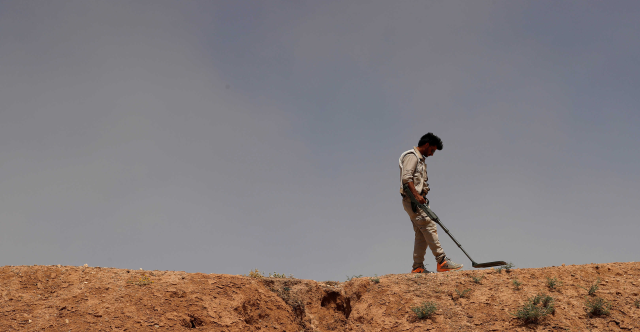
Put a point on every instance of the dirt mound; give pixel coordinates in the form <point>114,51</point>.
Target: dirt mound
<point>69,298</point>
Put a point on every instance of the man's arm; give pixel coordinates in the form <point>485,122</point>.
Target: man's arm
<point>418,197</point>
<point>408,168</point>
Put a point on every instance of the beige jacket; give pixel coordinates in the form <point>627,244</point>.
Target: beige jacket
<point>413,169</point>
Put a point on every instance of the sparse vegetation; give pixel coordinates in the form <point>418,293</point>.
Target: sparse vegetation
<point>280,275</point>
<point>464,293</point>
<point>516,283</point>
<point>296,304</point>
<point>553,283</point>
<point>142,281</point>
<point>592,290</point>
<point>426,310</point>
<point>597,307</point>
<point>546,301</point>
<point>354,276</point>
<point>506,267</point>
<point>509,266</point>
<point>477,279</point>
<point>536,309</point>
<point>289,297</point>
<point>255,273</point>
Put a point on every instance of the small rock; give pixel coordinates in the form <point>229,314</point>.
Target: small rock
<point>86,265</point>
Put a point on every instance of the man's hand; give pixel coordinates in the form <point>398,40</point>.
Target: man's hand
<point>418,197</point>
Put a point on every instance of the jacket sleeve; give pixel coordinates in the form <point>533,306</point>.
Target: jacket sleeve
<point>409,164</point>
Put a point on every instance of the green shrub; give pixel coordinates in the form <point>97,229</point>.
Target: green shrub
<point>477,279</point>
<point>553,283</point>
<point>464,293</point>
<point>516,283</point>
<point>637,303</point>
<point>354,276</point>
<point>594,287</point>
<point>592,290</point>
<point>546,301</point>
<point>506,267</point>
<point>426,310</point>
<point>509,266</point>
<point>597,307</point>
<point>375,280</point>
<point>535,309</point>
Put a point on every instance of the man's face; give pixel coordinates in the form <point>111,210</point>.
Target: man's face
<point>431,150</point>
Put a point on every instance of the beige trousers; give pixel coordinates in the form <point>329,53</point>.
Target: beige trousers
<point>426,234</point>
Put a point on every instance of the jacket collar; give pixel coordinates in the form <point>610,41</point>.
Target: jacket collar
<point>418,153</point>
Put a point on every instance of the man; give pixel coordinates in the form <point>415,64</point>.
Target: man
<point>413,173</point>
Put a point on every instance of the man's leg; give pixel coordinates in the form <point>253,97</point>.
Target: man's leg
<point>426,235</point>
<point>430,233</point>
<point>419,248</point>
<point>426,232</point>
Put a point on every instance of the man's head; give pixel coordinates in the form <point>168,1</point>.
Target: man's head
<point>428,144</point>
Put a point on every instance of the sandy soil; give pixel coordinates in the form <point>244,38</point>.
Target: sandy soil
<point>70,298</point>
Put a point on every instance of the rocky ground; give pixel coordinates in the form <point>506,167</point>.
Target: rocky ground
<point>71,298</point>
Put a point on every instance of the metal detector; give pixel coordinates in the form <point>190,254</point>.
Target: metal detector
<point>435,218</point>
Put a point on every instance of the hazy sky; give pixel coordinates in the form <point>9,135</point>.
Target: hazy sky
<point>224,136</point>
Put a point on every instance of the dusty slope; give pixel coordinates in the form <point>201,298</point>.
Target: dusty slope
<point>68,298</point>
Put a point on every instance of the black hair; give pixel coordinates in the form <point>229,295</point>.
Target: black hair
<point>431,139</point>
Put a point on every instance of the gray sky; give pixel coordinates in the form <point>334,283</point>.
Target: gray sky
<point>219,136</point>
